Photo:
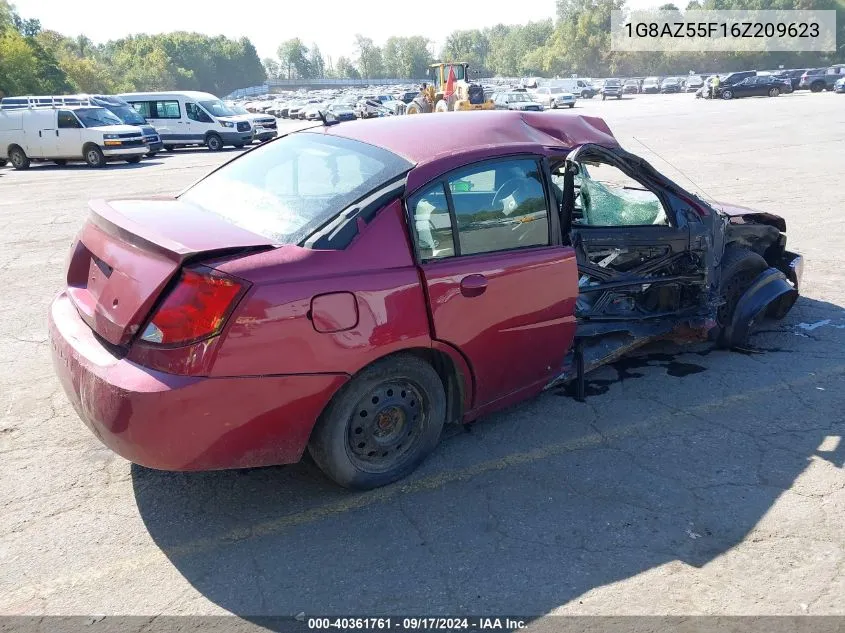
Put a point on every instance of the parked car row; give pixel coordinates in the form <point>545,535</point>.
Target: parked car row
<point>102,128</point>
<point>772,83</point>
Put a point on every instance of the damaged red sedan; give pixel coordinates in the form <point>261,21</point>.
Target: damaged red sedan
<point>349,289</point>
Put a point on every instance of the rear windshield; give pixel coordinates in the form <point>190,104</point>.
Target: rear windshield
<point>288,188</point>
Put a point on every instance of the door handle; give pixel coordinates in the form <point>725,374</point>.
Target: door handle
<point>473,285</point>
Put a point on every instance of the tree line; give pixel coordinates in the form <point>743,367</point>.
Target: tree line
<point>575,41</point>
<point>38,61</point>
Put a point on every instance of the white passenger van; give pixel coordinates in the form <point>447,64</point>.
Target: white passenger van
<point>191,118</point>
<point>63,133</point>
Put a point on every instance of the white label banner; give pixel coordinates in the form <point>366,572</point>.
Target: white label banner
<point>739,31</point>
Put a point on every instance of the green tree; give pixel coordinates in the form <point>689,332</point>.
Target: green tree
<point>316,63</point>
<point>271,67</point>
<point>370,62</point>
<point>294,56</point>
<point>470,46</point>
<point>345,69</point>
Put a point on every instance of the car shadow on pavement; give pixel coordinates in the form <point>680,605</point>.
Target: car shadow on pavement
<point>677,457</point>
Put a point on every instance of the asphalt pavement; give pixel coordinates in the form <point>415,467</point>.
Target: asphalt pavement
<point>691,481</point>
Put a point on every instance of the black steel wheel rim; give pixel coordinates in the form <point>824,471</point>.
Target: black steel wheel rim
<point>386,425</point>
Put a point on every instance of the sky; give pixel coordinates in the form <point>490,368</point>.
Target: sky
<point>332,24</point>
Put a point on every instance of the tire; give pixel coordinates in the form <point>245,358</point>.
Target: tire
<point>727,95</point>
<point>618,96</point>
<point>94,156</point>
<point>774,92</point>
<point>18,158</point>
<point>151,154</point>
<point>739,268</point>
<point>817,86</point>
<point>133,160</point>
<point>3,162</point>
<point>241,145</point>
<point>169,148</point>
<point>61,162</point>
<point>381,399</point>
<point>571,105</point>
<point>214,142</point>
<point>602,97</point>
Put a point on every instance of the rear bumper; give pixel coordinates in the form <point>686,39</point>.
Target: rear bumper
<point>173,422</point>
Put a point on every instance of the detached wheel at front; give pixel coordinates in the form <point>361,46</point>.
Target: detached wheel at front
<point>382,424</point>
<point>740,267</point>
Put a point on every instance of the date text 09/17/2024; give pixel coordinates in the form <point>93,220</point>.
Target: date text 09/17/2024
<point>416,624</point>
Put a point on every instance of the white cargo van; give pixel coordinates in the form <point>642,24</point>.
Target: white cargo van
<point>191,118</point>
<point>60,134</point>
<point>580,87</point>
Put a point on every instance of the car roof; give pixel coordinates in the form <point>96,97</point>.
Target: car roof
<point>425,137</point>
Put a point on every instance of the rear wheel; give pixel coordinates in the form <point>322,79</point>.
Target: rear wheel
<point>18,158</point>
<point>94,156</point>
<point>817,86</point>
<point>774,92</point>
<point>739,268</point>
<point>214,142</point>
<point>381,425</point>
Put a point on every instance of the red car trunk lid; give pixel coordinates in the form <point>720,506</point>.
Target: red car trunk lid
<point>128,251</point>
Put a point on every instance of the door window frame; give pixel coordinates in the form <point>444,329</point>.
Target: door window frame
<point>59,125</point>
<point>552,208</point>
<point>620,163</point>
<point>199,110</point>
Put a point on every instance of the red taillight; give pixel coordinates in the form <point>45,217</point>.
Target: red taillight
<point>195,309</point>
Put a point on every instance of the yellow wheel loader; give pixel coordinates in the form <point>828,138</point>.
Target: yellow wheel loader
<point>465,95</point>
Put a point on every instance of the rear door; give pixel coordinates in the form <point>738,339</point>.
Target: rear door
<point>43,143</point>
<point>501,286</point>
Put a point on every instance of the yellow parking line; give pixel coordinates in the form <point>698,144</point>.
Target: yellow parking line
<point>357,501</point>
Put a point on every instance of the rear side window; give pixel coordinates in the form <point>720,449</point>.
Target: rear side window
<point>144,108</point>
<point>287,189</point>
<point>167,110</point>
<point>499,206</point>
